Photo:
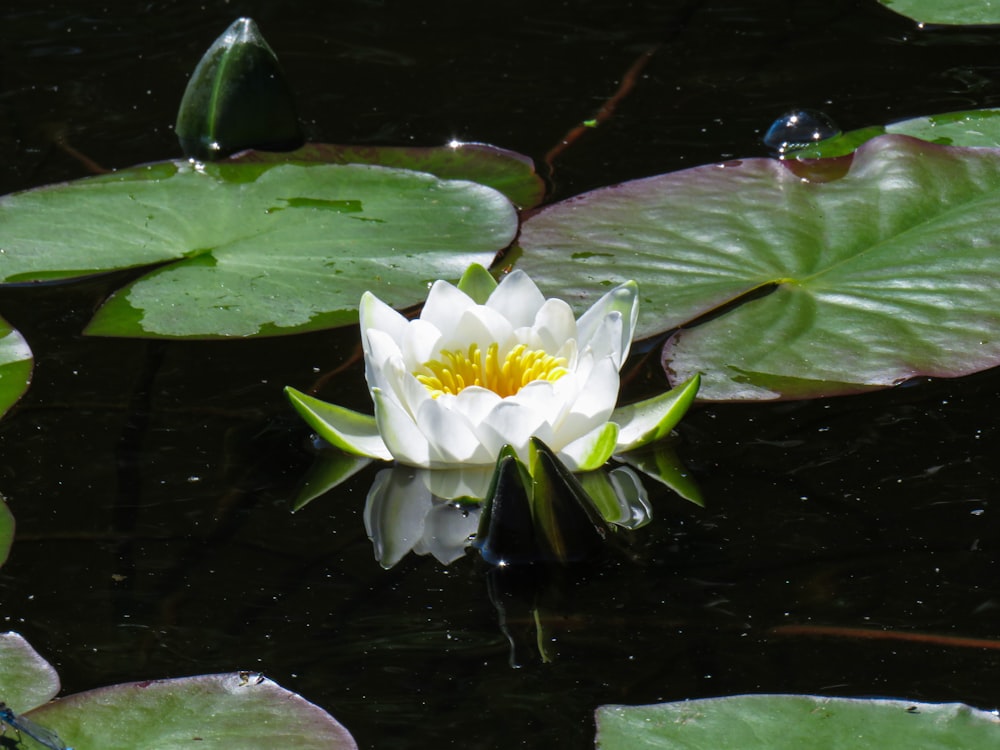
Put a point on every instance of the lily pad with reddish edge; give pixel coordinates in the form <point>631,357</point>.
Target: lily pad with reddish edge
<point>210,712</point>
<point>804,281</point>
<point>511,173</point>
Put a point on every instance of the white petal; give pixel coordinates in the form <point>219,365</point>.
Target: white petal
<point>412,393</point>
<point>541,398</point>
<point>444,304</point>
<point>405,442</point>
<point>592,450</point>
<point>381,353</point>
<point>607,339</point>
<point>475,403</point>
<point>555,325</point>
<point>517,299</point>
<point>570,353</point>
<point>478,325</point>
<point>599,393</point>
<point>510,423</point>
<point>592,406</point>
<point>419,343</point>
<point>526,335</point>
<point>376,314</point>
<point>452,440</point>
<point>625,300</point>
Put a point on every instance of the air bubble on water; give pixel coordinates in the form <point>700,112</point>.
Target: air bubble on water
<point>797,129</point>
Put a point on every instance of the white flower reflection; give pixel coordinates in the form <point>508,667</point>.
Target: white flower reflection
<point>428,513</point>
<point>437,512</point>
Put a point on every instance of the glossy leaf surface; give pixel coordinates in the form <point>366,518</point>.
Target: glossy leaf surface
<point>947,12</point>
<point>793,722</point>
<point>252,249</point>
<point>211,712</point>
<point>863,273</point>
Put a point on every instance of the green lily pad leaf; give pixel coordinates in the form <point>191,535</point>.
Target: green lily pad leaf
<point>976,127</point>
<point>26,678</point>
<point>792,722</point>
<point>887,273</point>
<point>16,364</point>
<point>6,531</point>
<point>509,172</point>
<point>947,12</point>
<point>260,249</point>
<point>210,712</point>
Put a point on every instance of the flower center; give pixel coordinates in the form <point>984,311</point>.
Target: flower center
<point>456,371</point>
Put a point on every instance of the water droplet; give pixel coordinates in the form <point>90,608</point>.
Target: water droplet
<point>798,129</point>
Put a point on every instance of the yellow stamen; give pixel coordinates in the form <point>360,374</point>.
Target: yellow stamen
<point>456,370</point>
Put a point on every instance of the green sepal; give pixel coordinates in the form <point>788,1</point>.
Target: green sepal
<point>478,283</point>
<point>650,420</point>
<point>602,447</point>
<point>348,430</point>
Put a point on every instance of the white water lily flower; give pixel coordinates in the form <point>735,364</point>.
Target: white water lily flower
<point>454,386</point>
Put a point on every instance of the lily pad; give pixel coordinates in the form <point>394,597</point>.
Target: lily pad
<point>509,172</point>
<point>26,678</point>
<point>860,281</point>
<point>252,249</point>
<point>947,12</point>
<point>792,722</point>
<point>210,712</point>
<point>16,364</point>
<point>976,127</point>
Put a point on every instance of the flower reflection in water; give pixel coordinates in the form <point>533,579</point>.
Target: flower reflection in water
<point>425,512</point>
<point>438,513</point>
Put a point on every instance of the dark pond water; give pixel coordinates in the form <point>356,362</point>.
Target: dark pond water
<point>152,482</point>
